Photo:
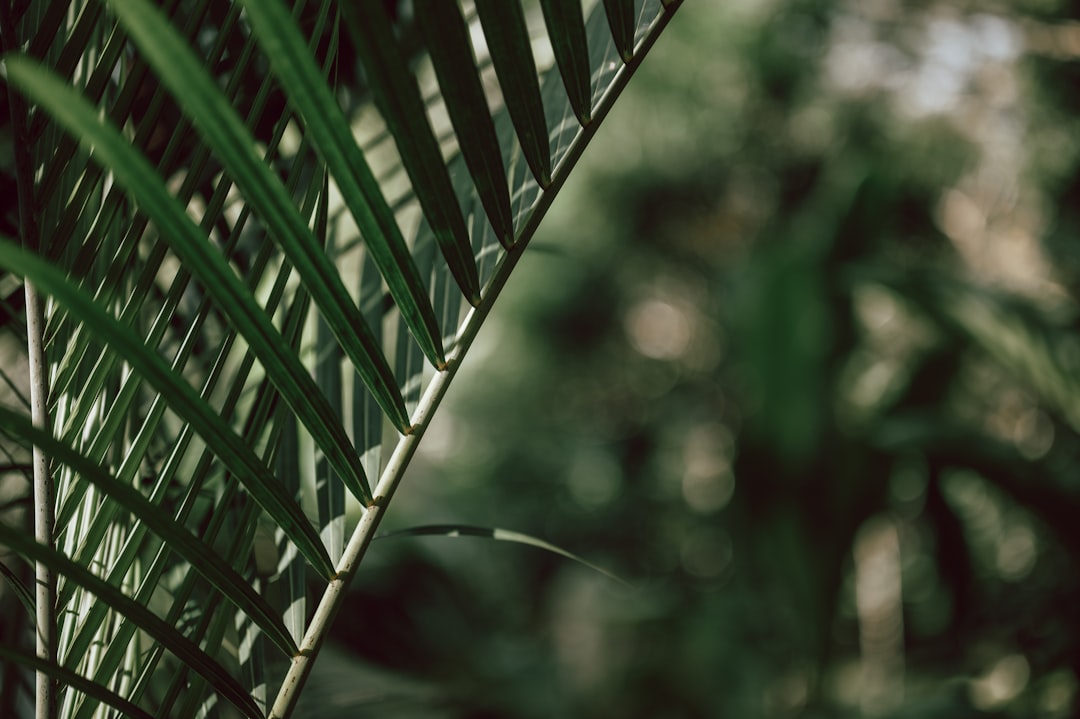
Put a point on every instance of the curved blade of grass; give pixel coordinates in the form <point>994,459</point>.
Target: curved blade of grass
<point>620,15</point>
<point>182,647</point>
<point>183,400</point>
<point>311,97</point>
<point>511,53</point>
<point>192,246</point>
<point>447,40</point>
<point>398,99</point>
<point>222,128</point>
<point>498,535</point>
<point>202,558</point>
<point>68,678</point>
<point>566,28</point>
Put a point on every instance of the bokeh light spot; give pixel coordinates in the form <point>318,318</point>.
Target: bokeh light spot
<point>1016,553</point>
<point>1000,683</point>
<point>658,329</point>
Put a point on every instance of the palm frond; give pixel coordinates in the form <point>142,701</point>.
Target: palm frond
<point>244,247</point>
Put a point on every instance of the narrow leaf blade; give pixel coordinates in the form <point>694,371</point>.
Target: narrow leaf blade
<point>22,592</point>
<point>620,15</point>
<point>447,39</point>
<point>566,28</point>
<point>508,41</point>
<point>498,535</point>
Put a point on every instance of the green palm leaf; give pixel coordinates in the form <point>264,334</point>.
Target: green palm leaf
<point>508,41</point>
<point>620,14</point>
<point>447,40</point>
<point>566,26</point>
<point>138,177</point>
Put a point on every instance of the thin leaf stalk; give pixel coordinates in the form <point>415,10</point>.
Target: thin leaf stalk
<point>45,686</point>
<point>44,578</point>
<point>391,477</point>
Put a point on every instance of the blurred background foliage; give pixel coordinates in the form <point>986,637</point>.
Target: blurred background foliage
<point>797,355</point>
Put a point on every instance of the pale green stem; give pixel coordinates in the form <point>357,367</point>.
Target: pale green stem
<point>44,579</point>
